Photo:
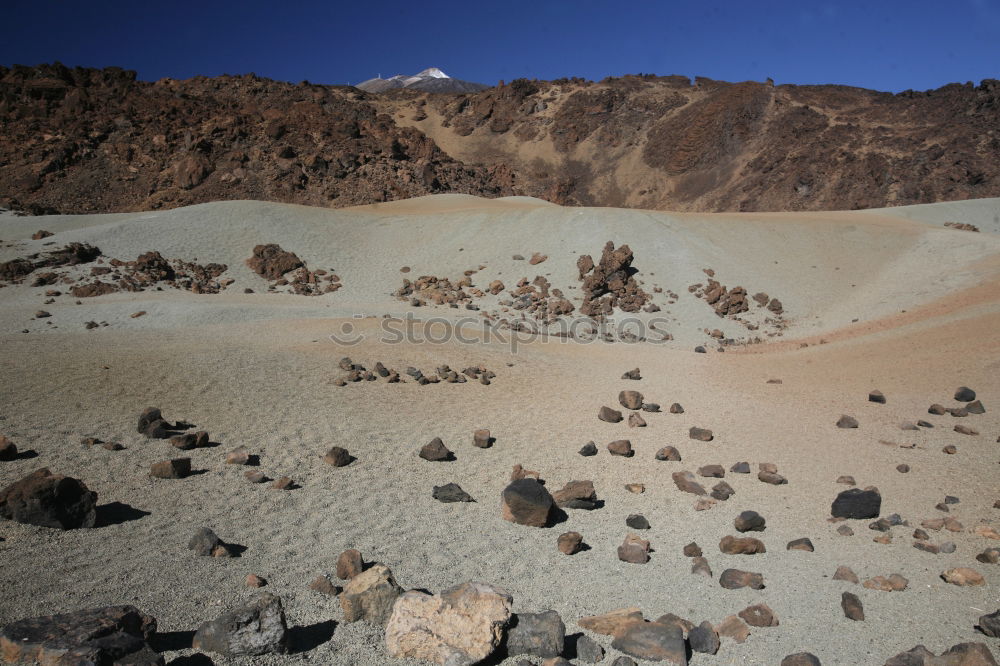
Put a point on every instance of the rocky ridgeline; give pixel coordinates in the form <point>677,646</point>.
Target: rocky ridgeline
<point>357,373</point>
<point>474,621</point>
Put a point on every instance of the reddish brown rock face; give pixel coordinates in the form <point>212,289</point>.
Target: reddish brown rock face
<point>337,146</point>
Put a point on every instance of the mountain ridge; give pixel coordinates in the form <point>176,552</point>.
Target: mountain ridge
<point>87,140</point>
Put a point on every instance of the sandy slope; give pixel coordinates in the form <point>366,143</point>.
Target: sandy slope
<point>257,370</point>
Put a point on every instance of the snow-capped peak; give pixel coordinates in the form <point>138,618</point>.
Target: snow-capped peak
<point>434,73</point>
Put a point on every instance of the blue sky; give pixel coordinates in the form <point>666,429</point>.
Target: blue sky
<point>881,44</point>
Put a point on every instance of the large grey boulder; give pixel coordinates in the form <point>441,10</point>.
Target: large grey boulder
<point>257,628</point>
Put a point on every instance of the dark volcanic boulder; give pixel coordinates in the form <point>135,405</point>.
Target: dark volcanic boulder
<point>527,502</point>
<point>115,634</point>
<point>256,629</point>
<point>857,503</point>
<point>271,262</point>
<point>49,500</point>
<point>652,641</point>
<point>539,634</point>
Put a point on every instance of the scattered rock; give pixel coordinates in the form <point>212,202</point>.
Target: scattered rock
<point>283,483</point>
<point>652,641</point>
<point>538,634</point>
<point>609,415</point>
<point>963,577</point>
<point>704,639</point>
<point>749,521</point>
<point>936,409</point>
<point>206,543</point>
<point>370,596</point>
<point>964,394</point>
<point>8,450</point>
<point>637,522</point>
<point>903,468</point>
<point>253,580</point>
<point>801,659</point>
<point>734,579</point>
<point>349,564</point>
<point>668,453</point>
<point>975,407</point>
<point>892,583</point>
<point>238,456</point>
<point>636,421</point>
<point>699,566</point>
<point>801,544</point>
<point>772,478</point>
<point>712,471</point>
<point>856,503</point>
<point>451,492</point>
<point>256,629</point>
<point>989,556</point>
<point>700,434</point>
<point>845,530</point>
<point>254,476</point>
<point>482,439</point>
<point>990,624</point>
<point>630,399</point>
<point>570,543</point>
<point>527,502</point>
<point>846,480</point>
<point>590,651</point>
<point>576,495</point>
<point>49,500</point>
<point>436,451</point>
<point>114,634</point>
<point>759,615</point>
<point>965,430</point>
<point>963,654</point>
<point>846,421</point>
<point>632,374</point>
<point>338,457</point>
<point>853,610</point>
<point>323,585</point>
<point>611,623</point>
<point>686,483</point>
<point>676,408</point>
<point>634,550</point>
<point>176,468</point>
<point>741,546</point>
<point>876,396</point>
<point>740,468</point>
<point>462,625</point>
<point>733,628</point>
<point>588,449</point>
<point>845,573</point>
<point>692,550</point>
<point>635,488</point>
<point>621,447</point>
<point>722,491</point>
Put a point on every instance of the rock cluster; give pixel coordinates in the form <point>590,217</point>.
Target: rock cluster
<point>610,283</point>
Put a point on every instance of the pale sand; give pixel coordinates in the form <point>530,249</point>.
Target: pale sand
<point>256,370</point>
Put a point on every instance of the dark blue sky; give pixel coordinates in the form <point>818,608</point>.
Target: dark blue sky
<point>882,44</point>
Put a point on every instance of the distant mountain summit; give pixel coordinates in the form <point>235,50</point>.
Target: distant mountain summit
<point>431,79</point>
